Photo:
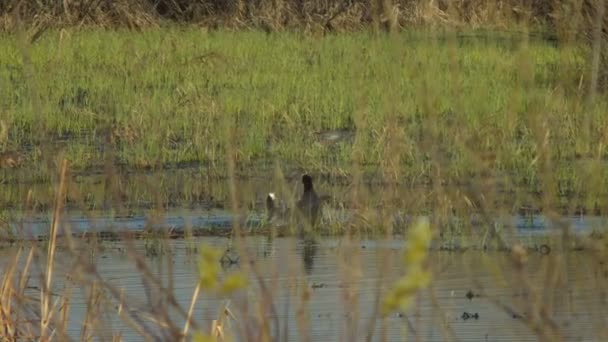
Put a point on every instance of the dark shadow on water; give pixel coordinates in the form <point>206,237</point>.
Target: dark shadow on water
<point>309,252</point>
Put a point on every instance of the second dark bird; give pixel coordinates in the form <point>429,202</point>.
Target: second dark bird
<point>309,204</point>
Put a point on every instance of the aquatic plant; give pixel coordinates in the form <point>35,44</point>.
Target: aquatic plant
<point>417,276</point>
<point>425,97</point>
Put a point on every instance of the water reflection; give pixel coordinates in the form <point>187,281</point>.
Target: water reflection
<point>474,296</point>
<point>309,252</point>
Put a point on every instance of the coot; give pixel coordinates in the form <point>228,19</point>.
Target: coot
<point>309,204</point>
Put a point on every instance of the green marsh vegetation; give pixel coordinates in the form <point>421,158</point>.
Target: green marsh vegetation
<point>490,114</point>
<point>152,101</point>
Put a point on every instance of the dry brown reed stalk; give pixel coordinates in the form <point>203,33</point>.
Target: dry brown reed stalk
<point>599,47</point>
<point>266,306</point>
<point>88,276</point>
<point>45,298</point>
<point>302,312</point>
<point>197,291</point>
<point>390,169</point>
<point>152,322</point>
<point>383,274</point>
<point>9,318</point>
<point>537,304</point>
<point>277,15</point>
<point>389,20</point>
<point>221,329</point>
<point>18,316</point>
<point>132,14</point>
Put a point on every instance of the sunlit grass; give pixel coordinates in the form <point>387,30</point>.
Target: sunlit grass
<point>463,104</point>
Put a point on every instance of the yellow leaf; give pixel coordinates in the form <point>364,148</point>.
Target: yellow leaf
<point>233,282</point>
<point>201,337</point>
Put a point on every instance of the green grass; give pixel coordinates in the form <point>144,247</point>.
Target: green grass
<point>174,97</point>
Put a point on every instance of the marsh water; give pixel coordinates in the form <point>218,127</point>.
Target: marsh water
<point>474,295</point>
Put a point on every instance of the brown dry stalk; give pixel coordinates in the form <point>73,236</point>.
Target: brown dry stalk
<point>600,7</point>
<point>197,290</point>
<point>274,15</point>
<point>45,298</point>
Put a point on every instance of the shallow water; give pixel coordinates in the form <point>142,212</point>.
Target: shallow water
<point>221,222</point>
<point>345,278</point>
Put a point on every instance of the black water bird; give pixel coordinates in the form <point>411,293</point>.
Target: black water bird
<point>307,210</point>
<point>310,203</point>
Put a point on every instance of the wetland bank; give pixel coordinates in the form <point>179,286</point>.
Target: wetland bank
<point>462,172</point>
